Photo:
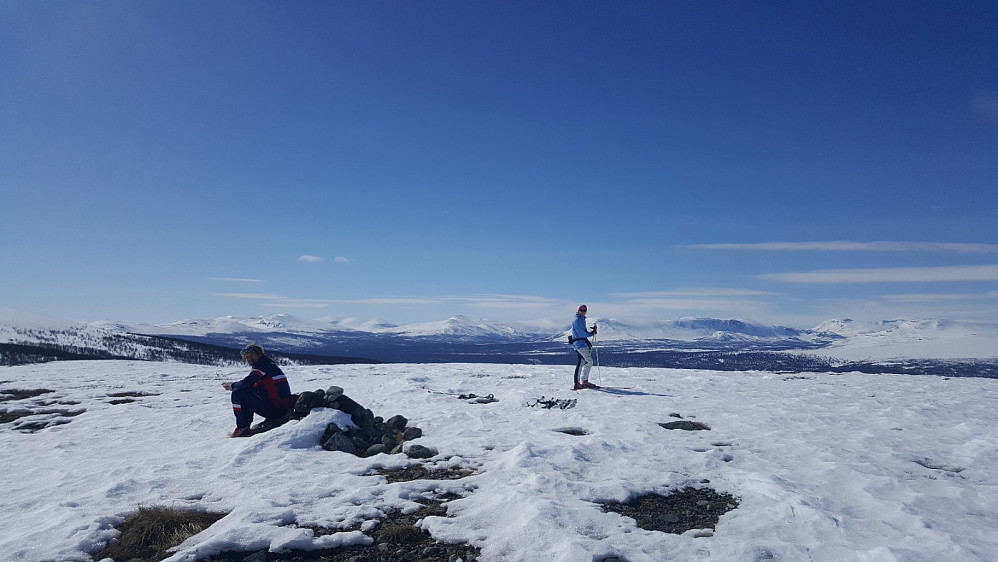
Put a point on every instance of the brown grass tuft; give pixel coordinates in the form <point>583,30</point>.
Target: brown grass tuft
<point>401,534</point>
<point>152,531</point>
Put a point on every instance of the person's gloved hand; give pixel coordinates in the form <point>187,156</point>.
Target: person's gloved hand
<point>594,329</point>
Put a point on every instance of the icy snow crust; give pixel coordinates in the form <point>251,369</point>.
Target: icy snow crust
<point>825,467</point>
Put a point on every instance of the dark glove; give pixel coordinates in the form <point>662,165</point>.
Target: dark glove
<point>594,329</point>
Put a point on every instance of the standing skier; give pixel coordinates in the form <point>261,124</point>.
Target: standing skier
<point>583,349</point>
<point>264,391</point>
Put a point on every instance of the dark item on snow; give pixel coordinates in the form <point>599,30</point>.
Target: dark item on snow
<point>560,403</point>
<point>686,425</point>
<point>421,452</point>
<point>476,399</point>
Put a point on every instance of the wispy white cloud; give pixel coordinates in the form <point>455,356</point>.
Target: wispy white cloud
<point>726,302</point>
<point>249,296</point>
<point>476,301</point>
<point>694,292</point>
<point>277,300</point>
<point>297,303</point>
<point>309,259</point>
<point>380,301</point>
<point>889,275</point>
<point>932,297</point>
<point>235,280</point>
<point>520,302</point>
<point>341,259</point>
<point>852,246</point>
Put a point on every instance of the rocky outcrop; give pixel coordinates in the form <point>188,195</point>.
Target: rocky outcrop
<point>372,435</point>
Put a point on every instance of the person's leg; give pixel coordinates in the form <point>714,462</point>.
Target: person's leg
<point>585,364</point>
<point>242,408</point>
<point>245,403</point>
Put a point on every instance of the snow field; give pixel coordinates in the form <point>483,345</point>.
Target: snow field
<point>825,467</point>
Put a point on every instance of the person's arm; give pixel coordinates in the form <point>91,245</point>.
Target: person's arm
<point>247,382</point>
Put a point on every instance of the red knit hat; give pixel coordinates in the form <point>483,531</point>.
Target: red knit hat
<point>582,308</point>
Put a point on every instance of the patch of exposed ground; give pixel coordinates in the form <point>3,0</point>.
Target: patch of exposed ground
<point>10,394</point>
<point>420,472</point>
<point>396,538</point>
<point>29,416</point>
<point>127,397</point>
<point>685,425</point>
<point>679,512</point>
<point>576,431</point>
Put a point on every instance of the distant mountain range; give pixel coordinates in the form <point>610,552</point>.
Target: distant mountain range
<point>682,342</point>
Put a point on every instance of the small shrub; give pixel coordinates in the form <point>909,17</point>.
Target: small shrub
<point>152,531</point>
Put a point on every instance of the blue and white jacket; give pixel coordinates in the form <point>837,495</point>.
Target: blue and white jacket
<point>580,332</point>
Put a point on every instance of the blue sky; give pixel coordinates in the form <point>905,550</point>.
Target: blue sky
<point>779,162</point>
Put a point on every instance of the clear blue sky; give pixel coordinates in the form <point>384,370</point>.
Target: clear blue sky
<point>782,162</point>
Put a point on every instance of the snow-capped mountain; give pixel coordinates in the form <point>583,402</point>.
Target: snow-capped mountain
<point>27,338</point>
<point>681,329</point>
<point>699,329</point>
<point>456,326</point>
<point>463,339</point>
<point>232,325</point>
<point>938,339</point>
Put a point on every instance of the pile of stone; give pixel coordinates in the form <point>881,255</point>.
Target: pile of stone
<point>371,436</point>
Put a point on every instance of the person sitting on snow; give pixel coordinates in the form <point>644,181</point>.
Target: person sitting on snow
<point>264,391</point>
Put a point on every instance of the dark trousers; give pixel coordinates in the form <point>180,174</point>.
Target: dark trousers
<point>245,403</point>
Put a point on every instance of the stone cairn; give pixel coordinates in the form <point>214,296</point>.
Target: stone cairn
<point>373,434</point>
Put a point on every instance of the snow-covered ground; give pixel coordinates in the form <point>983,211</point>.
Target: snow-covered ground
<point>913,339</point>
<point>825,467</point>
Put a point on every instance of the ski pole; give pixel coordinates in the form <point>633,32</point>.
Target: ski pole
<point>599,372</point>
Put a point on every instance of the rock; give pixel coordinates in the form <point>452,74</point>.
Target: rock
<point>372,435</point>
<point>260,556</point>
<point>359,443</point>
<point>340,442</point>
<point>306,401</point>
<point>421,452</point>
<point>269,423</point>
<point>397,422</point>
<point>377,450</point>
<point>329,431</point>
<point>364,419</point>
<point>345,404</point>
<point>389,442</point>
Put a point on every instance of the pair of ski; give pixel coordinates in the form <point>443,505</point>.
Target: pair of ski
<point>560,403</point>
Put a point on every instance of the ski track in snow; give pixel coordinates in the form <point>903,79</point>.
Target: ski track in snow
<point>825,467</point>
